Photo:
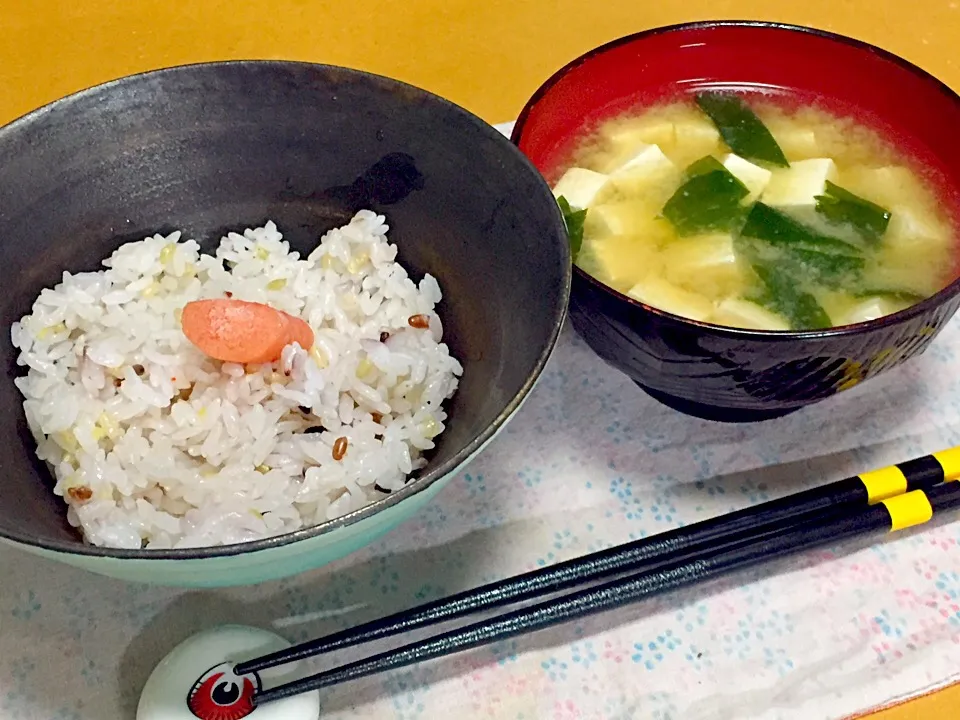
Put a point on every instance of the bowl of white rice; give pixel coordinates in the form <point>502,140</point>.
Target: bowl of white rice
<point>404,272</point>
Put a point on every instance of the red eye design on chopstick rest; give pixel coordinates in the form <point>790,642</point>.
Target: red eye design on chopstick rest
<point>220,694</point>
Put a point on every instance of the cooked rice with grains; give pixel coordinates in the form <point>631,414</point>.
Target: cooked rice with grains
<point>154,444</point>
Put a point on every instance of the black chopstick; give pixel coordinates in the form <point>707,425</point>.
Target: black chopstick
<point>810,505</point>
<point>897,513</point>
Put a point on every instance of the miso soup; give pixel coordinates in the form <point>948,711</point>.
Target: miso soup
<point>739,212</point>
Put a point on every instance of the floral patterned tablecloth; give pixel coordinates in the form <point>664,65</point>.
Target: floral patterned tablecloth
<point>590,461</point>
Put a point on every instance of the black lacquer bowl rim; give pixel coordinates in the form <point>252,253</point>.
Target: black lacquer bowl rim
<point>919,309</point>
<point>410,93</point>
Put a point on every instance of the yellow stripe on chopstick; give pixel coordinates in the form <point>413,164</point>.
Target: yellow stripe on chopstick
<point>908,510</point>
<point>885,483</point>
<point>918,474</point>
<point>950,462</point>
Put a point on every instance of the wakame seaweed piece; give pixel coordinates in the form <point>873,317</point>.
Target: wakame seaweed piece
<point>574,220</point>
<point>842,207</point>
<point>706,164</point>
<point>707,200</point>
<point>829,256</point>
<point>898,295</point>
<point>740,128</point>
<point>778,228</point>
<point>785,296</point>
<point>781,287</point>
<point>833,270</point>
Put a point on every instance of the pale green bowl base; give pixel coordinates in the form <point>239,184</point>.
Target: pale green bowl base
<point>251,567</point>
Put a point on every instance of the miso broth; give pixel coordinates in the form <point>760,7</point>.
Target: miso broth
<point>739,212</point>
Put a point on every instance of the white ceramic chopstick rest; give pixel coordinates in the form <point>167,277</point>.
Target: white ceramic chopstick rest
<point>196,680</point>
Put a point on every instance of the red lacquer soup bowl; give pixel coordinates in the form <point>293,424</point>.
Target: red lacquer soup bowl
<point>726,373</point>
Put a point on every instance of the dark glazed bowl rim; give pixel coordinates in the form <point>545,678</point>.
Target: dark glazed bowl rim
<point>744,334</point>
<point>419,483</point>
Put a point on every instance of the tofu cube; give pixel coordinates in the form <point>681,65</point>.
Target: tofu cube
<point>695,138</point>
<point>659,293</point>
<point>697,131</point>
<point>910,227</point>
<point>652,131</point>
<point>798,142</point>
<point>647,160</point>
<point>621,261</point>
<point>904,268</point>
<point>753,176</point>
<point>707,264</point>
<point>888,186</point>
<point>580,186</point>
<point>734,312</point>
<point>611,219</point>
<point>647,173</point>
<point>798,185</point>
<point>795,141</point>
<point>870,309</point>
